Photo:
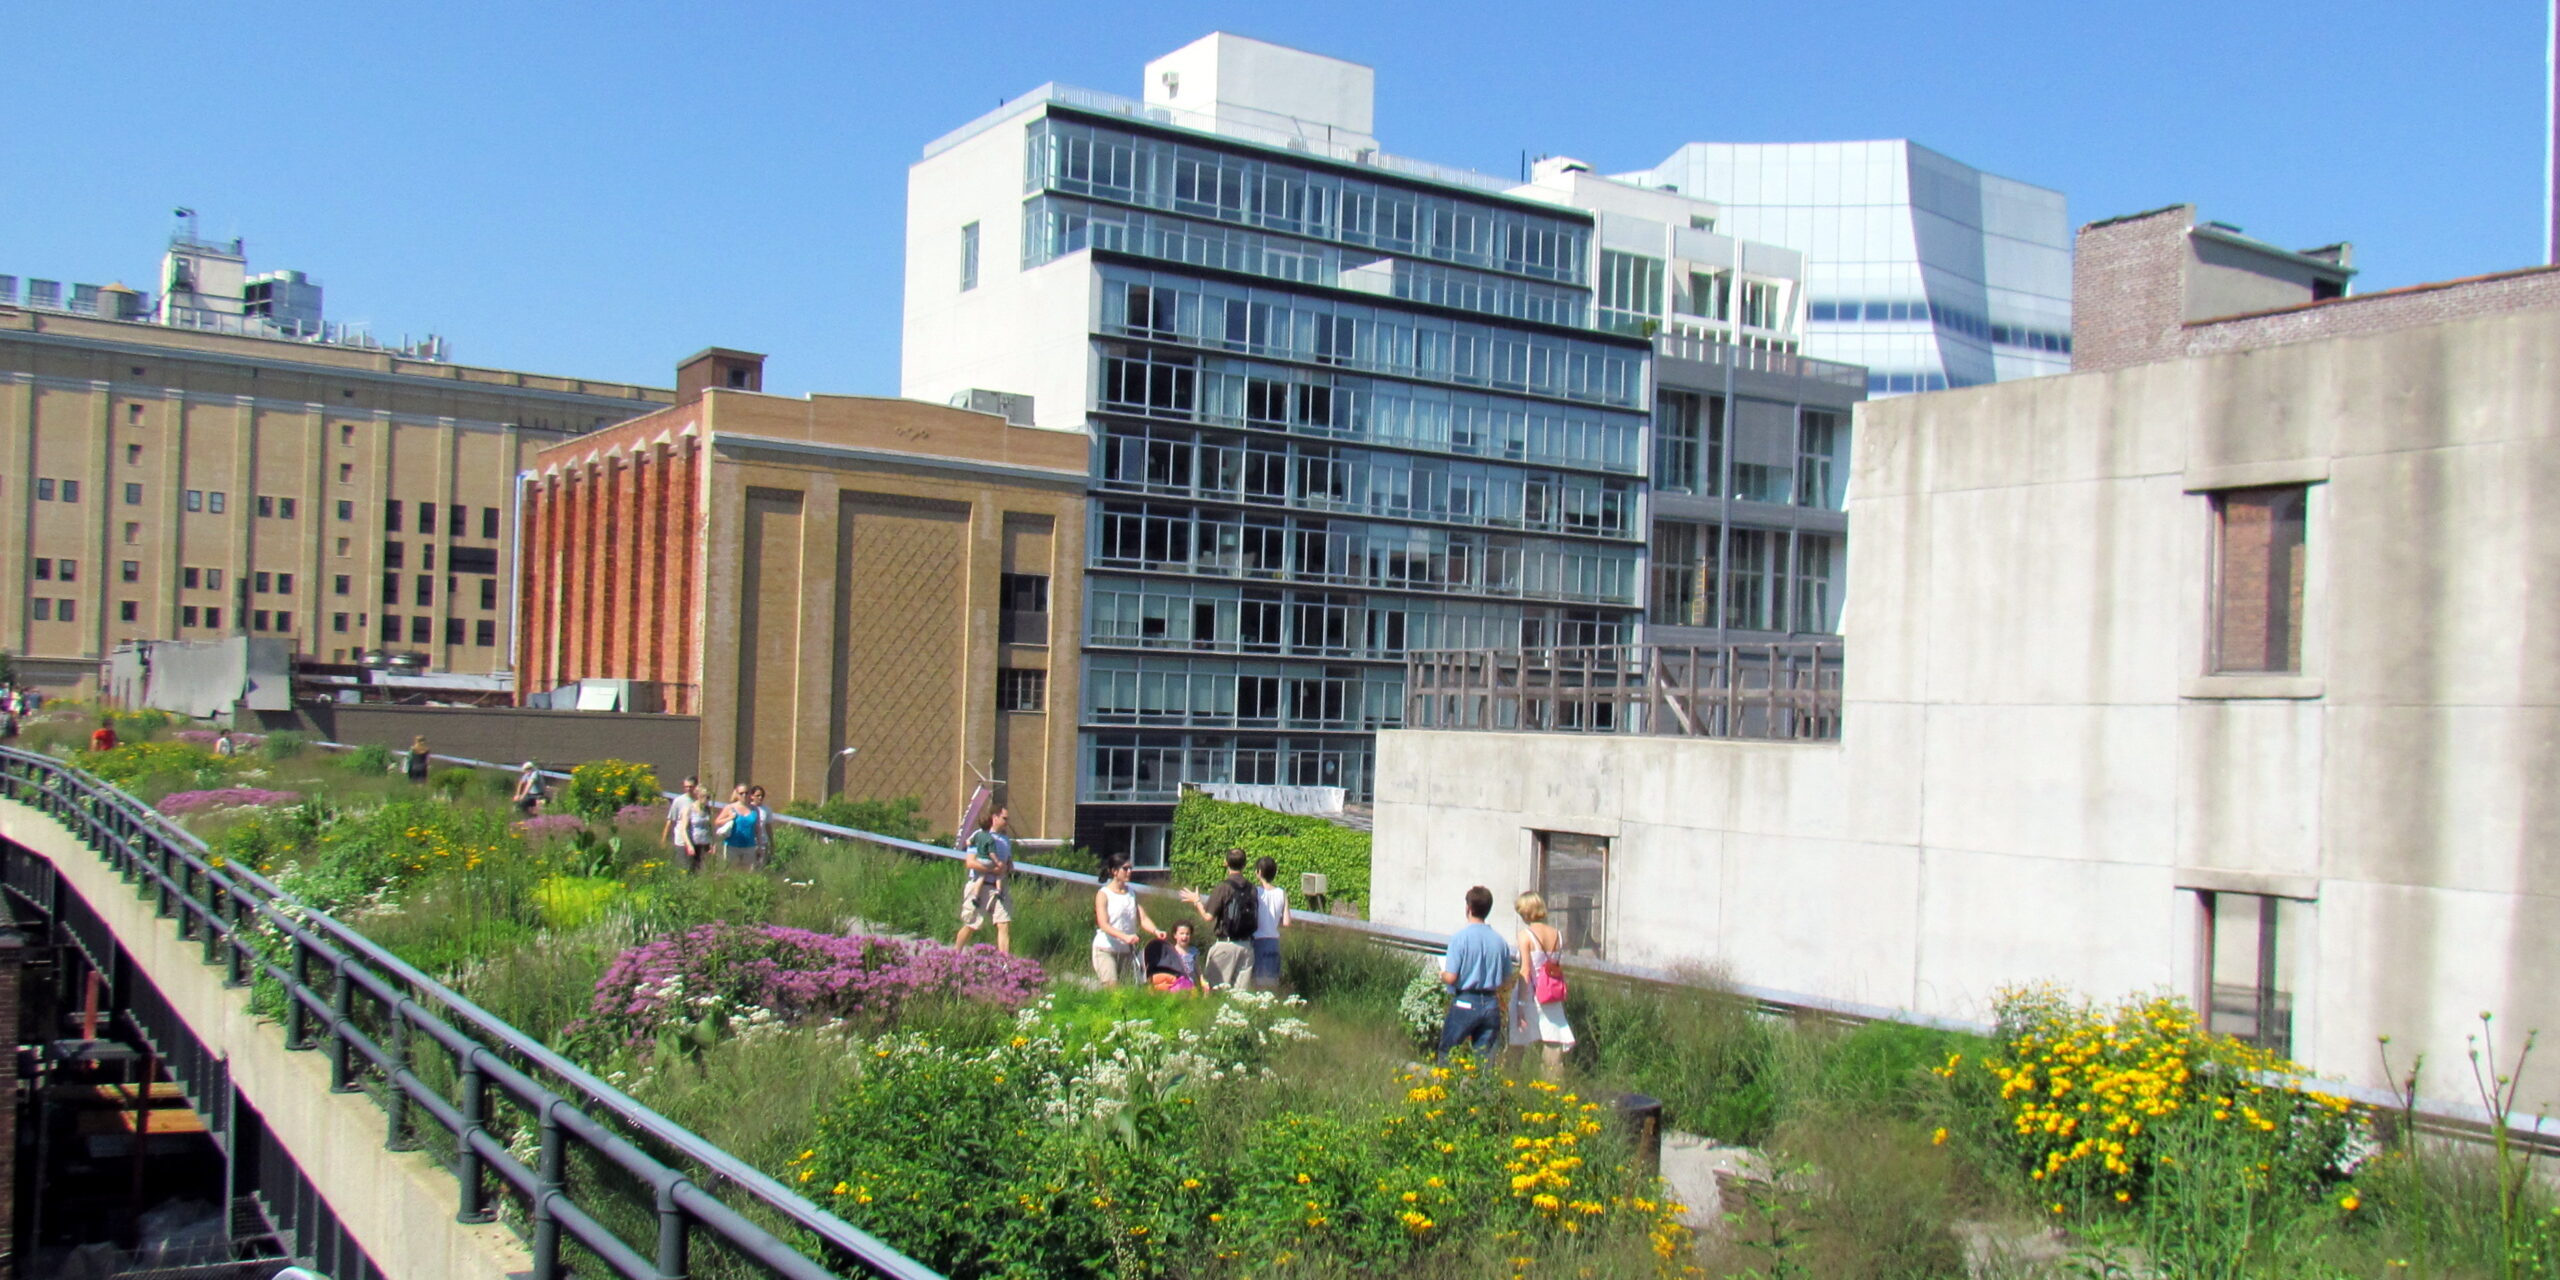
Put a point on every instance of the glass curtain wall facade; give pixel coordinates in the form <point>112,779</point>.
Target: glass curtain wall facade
<point>1335,418</point>
<point>1930,272</point>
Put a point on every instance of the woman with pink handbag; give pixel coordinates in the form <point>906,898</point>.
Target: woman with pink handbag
<point>1537,1007</point>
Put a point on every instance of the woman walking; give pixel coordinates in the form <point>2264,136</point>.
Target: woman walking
<point>1537,1007</point>
<point>1270,916</point>
<point>746,831</point>
<point>528,797</point>
<point>1117,917</point>
<point>689,824</point>
<point>414,763</point>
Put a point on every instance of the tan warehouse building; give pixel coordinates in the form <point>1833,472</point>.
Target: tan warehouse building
<point>805,575</point>
<point>162,483</point>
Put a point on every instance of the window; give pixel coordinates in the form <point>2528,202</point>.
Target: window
<point>186,615</point>
<point>343,545</point>
<point>284,509</point>
<point>214,499</point>
<point>1630,292</point>
<point>133,455</point>
<point>128,611</point>
<point>346,433</point>
<point>1759,305</point>
<point>261,583</point>
<point>213,618</point>
<point>1022,690</point>
<point>1573,879</point>
<point>190,578</point>
<point>133,415</point>
<point>391,515</point>
<point>394,555</point>
<point>132,495</point>
<point>284,619</point>
<point>2245,973</point>
<point>258,620</point>
<point>1144,841</point>
<point>488,522</point>
<point>44,490</point>
<point>338,622</point>
<point>62,609</point>
<point>68,570</point>
<point>339,584</point>
<point>2259,543</point>
<point>1818,470</point>
<point>195,500</point>
<point>426,555</point>
<point>346,509</point>
<point>284,584</point>
<point>457,520</point>
<point>426,589</point>
<point>1816,600</point>
<point>390,629</point>
<point>44,569</point>
<point>213,579</point>
<point>132,531</point>
<point>43,609</point>
<point>391,588</point>
<point>71,491</point>
<point>453,631</point>
<point>346,474</point>
<point>266,507</point>
<point>422,630</point>
<point>969,257</point>
<point>472,560</point>
<point>130,571</point>
<point>488,593</point>
<point>426,517</point>
<point>484,633</point>
<point>1024,599</point>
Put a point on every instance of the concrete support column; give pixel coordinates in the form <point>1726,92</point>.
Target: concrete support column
<point>13,951</point>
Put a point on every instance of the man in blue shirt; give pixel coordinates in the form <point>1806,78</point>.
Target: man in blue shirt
<point>1476,965</point>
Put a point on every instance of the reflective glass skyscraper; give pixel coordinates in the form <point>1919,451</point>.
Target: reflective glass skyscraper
<point>1929,272</point>
<point>1343,405</point>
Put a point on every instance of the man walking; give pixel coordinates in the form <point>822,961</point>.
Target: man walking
<point>988,897</point>
<point>1231,910</point>
<point>1476,965</point>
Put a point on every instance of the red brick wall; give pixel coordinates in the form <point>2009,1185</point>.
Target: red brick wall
<point>612,571</point>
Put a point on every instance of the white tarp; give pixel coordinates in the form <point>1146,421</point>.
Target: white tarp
<point>1319,801</point>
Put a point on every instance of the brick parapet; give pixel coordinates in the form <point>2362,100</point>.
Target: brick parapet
<point>2128,289</point>
<point>2408,308</point>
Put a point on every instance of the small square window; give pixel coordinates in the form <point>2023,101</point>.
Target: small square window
<point>284,584</point>
<point>484,633</point>
<point>128,611</point>
<point>133,455</point>
<point>284,509</point>
<point>488,593</point>
<point>44,569</point>
<point>70,491</point>
<point>266,507</point>
<point>338,622</point>
<point>213,579</point>
<point>191,578</point>
<point>394,555</point>
<point>186,615</point>
<point>422,630</point>
<point>130,570</point>
<point>1023,690</point>
<point>133,415</point>
<point>346,474</point>
<point>426,589</point>
<point>44,490</point>
<point>391,588</point>
<point>1573,878</point>
<point>213,618</point>
<point>426,555</point>
<point>195,500</point>
<point>68,569</point>
<point>132,531</point>
<point>457,521</point>
<point>426,517</point>
<point>260,583</point>
<point>390,629</point>
<point>284,619</point>
<point>391,515</point>
<point>346,509</point>
<point>346,433</point>
<point>43,609</point>
<point>339,584</point>
<point>132,495</point>
<point>258,620</point>
<point>488,522</point>
<point>63,610</point>
<point>213,500</point>
<point>453,631</point>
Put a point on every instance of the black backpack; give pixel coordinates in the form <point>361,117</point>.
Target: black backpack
<point>1239,917</point>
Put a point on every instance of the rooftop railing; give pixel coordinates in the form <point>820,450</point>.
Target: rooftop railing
<point>1688,346</point>
<point>1784,692</point>
<point>1314,139</point>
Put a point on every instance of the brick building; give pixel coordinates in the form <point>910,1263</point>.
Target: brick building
<point>810,574</point>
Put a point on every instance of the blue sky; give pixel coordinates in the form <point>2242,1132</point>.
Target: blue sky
<point>601,189</point>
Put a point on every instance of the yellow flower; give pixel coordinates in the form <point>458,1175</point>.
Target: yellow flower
<point>1302,1179</point>
<point>1938,1138</point>
<point>2351,1202</point>
<point>1190,1184</point>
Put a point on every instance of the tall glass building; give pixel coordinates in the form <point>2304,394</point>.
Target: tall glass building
<point>1342,405</point>
<point>1929,272</point>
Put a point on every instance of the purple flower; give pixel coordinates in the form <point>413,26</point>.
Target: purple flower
<point>186,802</point>
<point>636,814</point>
<point>549,824</point>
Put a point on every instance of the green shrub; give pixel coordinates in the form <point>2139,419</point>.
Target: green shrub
<point>1705,1052</point>
<point>184,762</point>
<point>371,759</point>
<point>598,788</point>
<point>1204,829</point>
<point>284,744</point>
<point>451,783</point>
<point>902,818</point>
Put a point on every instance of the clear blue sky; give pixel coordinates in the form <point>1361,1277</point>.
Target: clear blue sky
<point>601,189</point>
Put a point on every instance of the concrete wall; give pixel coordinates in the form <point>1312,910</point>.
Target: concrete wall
<point>2038,779</point>
<point>398,1205</point>
<point>558,739</point>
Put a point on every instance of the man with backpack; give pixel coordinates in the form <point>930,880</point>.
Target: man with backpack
<point>1232,912</point>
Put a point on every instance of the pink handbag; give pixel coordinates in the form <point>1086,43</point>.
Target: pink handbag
<point>1547,985</point>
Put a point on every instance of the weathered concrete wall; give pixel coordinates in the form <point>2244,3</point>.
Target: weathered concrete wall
<point>2037,777</point>
<point>398,1205</point>
<point>558,739</point>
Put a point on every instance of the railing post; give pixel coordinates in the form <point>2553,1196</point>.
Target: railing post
<point>297,1020</point>
<point>475,1114</point>
<point>341,1001</point>
<point>548,1176</point>
<point>235,951</point>
<point>671,1233</point>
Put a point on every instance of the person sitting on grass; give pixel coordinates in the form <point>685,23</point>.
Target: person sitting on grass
<point>105,737</point>
<point>1173,963</point>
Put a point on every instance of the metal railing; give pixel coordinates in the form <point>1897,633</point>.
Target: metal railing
<point>1703,350</point>
<point>1762,691</point>
<point>380,1020</point>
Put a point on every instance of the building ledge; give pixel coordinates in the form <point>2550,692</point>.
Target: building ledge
<point>2251,687</point>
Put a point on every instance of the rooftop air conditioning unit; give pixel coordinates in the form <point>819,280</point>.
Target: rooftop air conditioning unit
<point>1013,406</point>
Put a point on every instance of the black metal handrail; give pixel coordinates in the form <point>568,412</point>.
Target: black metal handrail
<point>329,968</point>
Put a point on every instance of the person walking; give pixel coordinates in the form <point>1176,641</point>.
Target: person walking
<point>1537,1004</point>
<point>1117,917</point>
<point>689,824</point>
<point>414,764</point>
<point>1270,916</point>
<point>988,896</point>
<point>528,794</point>
<point>1474,968</point>
<point>746,831</point>
<point>1230,912</point>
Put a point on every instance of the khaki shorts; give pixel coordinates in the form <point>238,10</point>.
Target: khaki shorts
<point>983,907</point>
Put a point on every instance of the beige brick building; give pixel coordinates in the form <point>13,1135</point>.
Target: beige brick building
<point>808,574</point>
<point>160,483</point>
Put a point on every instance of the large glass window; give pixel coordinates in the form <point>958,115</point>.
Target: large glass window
<point>1354,553</point>
<point>1817,593</point>
<point>1683,573</point>
<point>1755,571</point>
<point>969,257</point>
<point>1630,292</point>
<point>1820,468</point>
<point>1573,881</point>
<point>1134,766</point>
